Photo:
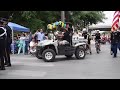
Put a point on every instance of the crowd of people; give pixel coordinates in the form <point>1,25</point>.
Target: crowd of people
<point>101,38</point>
<point>113,38</point>
<point>24,42</point>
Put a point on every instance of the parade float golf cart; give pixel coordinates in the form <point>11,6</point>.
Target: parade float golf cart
<point>48,49</point>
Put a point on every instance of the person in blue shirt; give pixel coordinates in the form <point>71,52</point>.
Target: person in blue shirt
<point>40,35</point>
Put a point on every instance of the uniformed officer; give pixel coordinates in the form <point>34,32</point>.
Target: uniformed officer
<point>8,42</point>
<point>118,39</point>
<point>114,42</point>
<point>2,45</point>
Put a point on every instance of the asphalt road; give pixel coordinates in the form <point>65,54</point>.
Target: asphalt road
<point>95,66</point>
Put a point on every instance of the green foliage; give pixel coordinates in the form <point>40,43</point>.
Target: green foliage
<point>85,18</point>
<point>40,19</point>
<point>35,24</point>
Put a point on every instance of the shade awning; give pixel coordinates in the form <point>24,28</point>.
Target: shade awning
<point>17,27</point>
<point>102,27</point>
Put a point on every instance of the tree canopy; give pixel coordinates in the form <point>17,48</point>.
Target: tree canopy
<point>39,19</point>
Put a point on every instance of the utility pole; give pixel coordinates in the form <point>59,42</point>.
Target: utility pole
<point>63,16</point>
<point>67,16</point>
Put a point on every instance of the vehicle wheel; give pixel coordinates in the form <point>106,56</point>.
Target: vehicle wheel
<point>80,53</point>
<point>38,55</point>
<point>48,55</point>
<point>69,56</point>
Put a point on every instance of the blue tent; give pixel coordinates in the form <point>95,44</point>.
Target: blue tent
<point>16,27</point>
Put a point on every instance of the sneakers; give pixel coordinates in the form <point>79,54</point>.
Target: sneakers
<point>3,68</point>
<point>90,53</point>
<point>114,56</point>
<point>8,65</point>
<point>111,53</point>
<point>99,49</point>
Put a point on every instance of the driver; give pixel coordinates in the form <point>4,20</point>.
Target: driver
<point>64,37</point>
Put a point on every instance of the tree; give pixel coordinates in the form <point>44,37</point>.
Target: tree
<point>85,18</point>
<point>40,19</point>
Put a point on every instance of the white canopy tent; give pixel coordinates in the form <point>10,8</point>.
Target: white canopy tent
<point>101,27</point>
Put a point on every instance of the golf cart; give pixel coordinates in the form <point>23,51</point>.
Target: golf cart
<point>48,49</point>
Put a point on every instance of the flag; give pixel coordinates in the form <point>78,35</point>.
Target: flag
<point>115,23</point>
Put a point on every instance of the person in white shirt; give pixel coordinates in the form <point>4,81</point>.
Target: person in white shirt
<point>40,35</point>
<point>32,45</point>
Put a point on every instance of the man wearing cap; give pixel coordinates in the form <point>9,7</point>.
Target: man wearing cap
<point>8,41</point>
<point>2,45</point>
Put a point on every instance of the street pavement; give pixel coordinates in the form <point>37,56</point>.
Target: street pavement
<point>95,66</point>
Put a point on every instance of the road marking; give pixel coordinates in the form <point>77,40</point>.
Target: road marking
<point>33,64</point>
<point>27,73</point>
<point>24,58</point>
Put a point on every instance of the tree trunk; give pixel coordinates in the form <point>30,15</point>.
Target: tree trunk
<point>62,16</point>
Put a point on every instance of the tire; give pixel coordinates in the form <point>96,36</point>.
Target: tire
<point>69,56</point>
<point>77,55</point>
<point>38,56</point>
<point>48,55</point>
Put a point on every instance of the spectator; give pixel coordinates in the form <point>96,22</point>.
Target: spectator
<point>26,42</point>
<point>30,37</point>
<point>22,44</point>
<point>35,36</point>
<point>89,43</point>
<point>46,36</point>
<point>40,35</point>
<point>32,45</point>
